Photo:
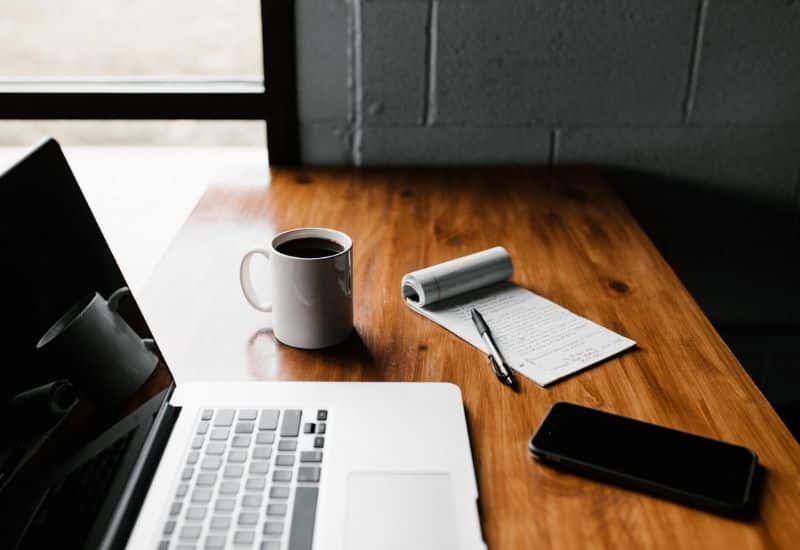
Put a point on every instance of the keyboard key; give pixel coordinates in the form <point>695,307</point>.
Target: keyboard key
<point>301,531</point>
<point>190,532</point>
<point>248,518</point>
<point>215,542</point>
<point>224,505</point>
<point>164,545</point>
<point>241,441</point>
<point>265,438</point>
<point>229,488</point>
<point>201,495</point>
<point>244,537</point>
<point>282,475</point>
<point>215,448</point>
<point>279,491</point>
<point>233,470</point>
<point>273,527</point>
<point>291,423</point>
<point>224,417</point>
<point>248,414</point>
<point>244,428</point>
<point>308,473</point>
<point>255,484</point>
<point>237,455</point>
<point>220,523</point>
<point>284,460</point>
<point>219,434</point>
<point>169,527</point>
<point>251,501</point>
<point>262,453</point>
<point>196,513</point>
<point>223,425</point>
<point>311,456</point>
<point>268,420</point>
<point>211,463</point>
<point>206,479</point>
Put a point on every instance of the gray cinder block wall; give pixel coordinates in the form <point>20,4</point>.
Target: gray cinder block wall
<point>696,101</point>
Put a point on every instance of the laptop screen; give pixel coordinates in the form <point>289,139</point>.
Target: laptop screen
<point>77,358</point>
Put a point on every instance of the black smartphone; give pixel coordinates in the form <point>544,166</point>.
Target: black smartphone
<point>668,463</point>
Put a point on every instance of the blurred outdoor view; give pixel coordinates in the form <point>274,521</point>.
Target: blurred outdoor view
<point>139,40</point>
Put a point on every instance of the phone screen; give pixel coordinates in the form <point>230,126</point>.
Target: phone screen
<point>701,467</point>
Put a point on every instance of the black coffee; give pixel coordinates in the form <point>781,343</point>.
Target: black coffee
<point>310,247</point>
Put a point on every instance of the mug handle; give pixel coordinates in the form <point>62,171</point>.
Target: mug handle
<point>247,282</point>
<point>116,297</point>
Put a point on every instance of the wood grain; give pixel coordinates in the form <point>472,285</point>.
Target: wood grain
<point>574,242</point>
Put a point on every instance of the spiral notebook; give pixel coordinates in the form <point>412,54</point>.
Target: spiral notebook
<point>538,338</point>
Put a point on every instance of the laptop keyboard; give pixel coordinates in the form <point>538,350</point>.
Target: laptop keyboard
<point>250,480</point>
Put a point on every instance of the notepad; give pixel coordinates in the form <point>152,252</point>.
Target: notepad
<point>538,338</point>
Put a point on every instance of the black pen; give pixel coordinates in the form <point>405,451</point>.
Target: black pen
<point>499,366</point>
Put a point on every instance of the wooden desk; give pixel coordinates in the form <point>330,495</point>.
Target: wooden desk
<point>572,241</point>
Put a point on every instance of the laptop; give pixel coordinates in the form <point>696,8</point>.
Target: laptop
<point>266,465</point>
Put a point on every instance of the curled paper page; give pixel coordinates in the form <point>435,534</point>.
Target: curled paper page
<point>448,279</point>
<point>538,338</point>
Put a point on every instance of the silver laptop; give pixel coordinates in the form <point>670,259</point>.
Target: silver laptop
<point>265,465</point>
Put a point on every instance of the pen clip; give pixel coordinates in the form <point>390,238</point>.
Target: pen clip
<point>495,366</point>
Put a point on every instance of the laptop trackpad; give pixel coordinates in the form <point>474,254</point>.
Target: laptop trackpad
<point>400,511</point>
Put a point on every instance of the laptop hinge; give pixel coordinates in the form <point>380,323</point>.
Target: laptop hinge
<point>132,497</point>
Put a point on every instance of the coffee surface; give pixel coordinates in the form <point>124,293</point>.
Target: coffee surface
<point>310,247</point>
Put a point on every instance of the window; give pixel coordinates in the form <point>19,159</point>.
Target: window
<point>173,66</point>
<point>121,38</point>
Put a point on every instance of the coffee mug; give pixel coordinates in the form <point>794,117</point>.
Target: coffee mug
<point>98,351</point>
<point>312,292</point>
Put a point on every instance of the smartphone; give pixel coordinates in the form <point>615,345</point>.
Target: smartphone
<point>675,465</point>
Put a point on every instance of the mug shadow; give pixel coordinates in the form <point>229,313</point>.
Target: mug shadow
<point>262,332</point>
<point>351,356</point>
<point>353,352</point>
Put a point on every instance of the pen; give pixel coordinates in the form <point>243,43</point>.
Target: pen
<point>499,366</point>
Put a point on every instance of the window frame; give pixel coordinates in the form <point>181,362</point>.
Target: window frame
<point>273,99</point>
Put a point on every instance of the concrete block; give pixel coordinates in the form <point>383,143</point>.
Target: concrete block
<point>444,146</point>
<point>322,61</point>
<point>325,144</point>
<point>563,63</point>
<point>752,162</point>
<point>717,202</point>
<point>749,68</point>
<point>394,60</point>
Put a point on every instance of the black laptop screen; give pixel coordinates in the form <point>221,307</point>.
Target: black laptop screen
<point>53,256</point>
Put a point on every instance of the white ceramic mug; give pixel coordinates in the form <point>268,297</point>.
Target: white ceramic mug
<point>312,298</point>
